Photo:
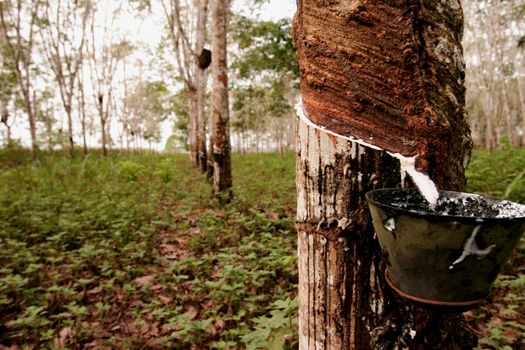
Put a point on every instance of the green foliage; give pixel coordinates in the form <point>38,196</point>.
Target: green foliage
<point>265,72</point>
<point>66,227</point>
<point>498,173</point>
<point>276,331</point>
<point>264,46</point>
<point>149,105</point>
<point>79,251</point>
<point>179,105</point>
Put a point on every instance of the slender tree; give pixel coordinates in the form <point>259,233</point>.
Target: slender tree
<point>188,38</point>
<point>201,83</point>
<point>8,87</point>
<point>81,97</point>
<point>63,37</point>
<point>105,54</point>
<point>18,20</point>
<point>148,107</point>
<point>222,178</point>
<point>391,74</point>
<point>495,71</point>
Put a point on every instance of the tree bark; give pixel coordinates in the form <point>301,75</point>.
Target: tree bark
<point>5,121</point>
<point>102,118</point>
<point>71,148</point>
<point>192,125</point>
<point>374,70</point>
<point>222,178</point>
<point>82,112</point>
<point>200,82</point>
<point>521,94</point>
<point>391,74</point>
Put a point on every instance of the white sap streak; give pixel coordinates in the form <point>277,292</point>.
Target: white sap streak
<point>471,248</point>
<point>390,225</point>
<point>307,121</point>
<point>425,185</point>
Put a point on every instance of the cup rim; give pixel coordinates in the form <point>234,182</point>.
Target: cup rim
<point>420,213</point>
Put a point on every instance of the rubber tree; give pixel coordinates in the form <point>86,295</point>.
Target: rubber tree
<point>18,20</point>
<point>380,81</point>
<point>189,38</point>
<point>8,86</point>
<point>63,35</point>
<point>222,178</point>
<point>105,54</point>
<point>201,82</point>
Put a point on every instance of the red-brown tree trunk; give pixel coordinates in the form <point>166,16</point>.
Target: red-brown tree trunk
<point>388,75</point>
<point>222,178</point>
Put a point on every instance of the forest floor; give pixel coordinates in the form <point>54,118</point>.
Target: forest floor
<point>130,252</point>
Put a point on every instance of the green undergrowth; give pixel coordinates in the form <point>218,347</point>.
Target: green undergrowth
<point>130,252</point>
<point>498,173</point>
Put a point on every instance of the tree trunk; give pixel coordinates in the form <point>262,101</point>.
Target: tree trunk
<point>5,121</point>
<point>71,148</point>
<point>192,126</point>
<point>521,94</point>
<point>202,160</point>
<point>82,113</point>
<point>222,178</point>
<point>391,74</point>
<point>200,82</point>
<point>32,124</point>
<point>104,141</point>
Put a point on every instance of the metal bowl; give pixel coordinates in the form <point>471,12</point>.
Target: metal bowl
<point>448,256</point>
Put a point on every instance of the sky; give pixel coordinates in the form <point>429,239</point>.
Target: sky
<point>273,10</point>
<point>149,30</point>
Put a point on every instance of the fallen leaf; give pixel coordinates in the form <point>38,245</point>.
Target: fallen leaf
<point>144,328</point>
<point>195,230</point>
<point>509,333</point>
<point>165,299</point>
<point>191,312</point>
<point>157,287</point>
<point>212,330</point>
<point>220,324</point>
<point>60,341</point>
<point>95,290</point>
<point>152,345</point>
<point>154,330</point>
<point>12,347</point>
<point>273,215</point>
<point>144,280</point>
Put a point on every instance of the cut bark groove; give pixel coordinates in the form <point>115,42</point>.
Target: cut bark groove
<point>390,74</point>
<point>399,75</point>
